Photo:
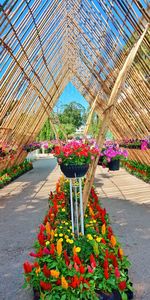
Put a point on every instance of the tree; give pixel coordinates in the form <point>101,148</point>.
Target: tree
<point>72,114</point>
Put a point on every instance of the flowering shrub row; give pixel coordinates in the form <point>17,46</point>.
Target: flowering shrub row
<point>136,168</point>
<point>66,267</point>
<point>12,173</point>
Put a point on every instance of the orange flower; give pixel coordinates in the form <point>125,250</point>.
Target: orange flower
<point>52,235</point>
<point>64,283</point>
<point>91,211</point>
<point>113,241</point>
<point>59,247</point>
<point>120,252</point>
<point>55,273</point>
<point>48,228</point>
<point>103,229</point>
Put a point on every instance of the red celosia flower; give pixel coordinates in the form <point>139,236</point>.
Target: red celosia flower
<point>52,249</point>
<point>41,239</point>
<point>117,273</point>
<point>82,269</point>
<point>58,282</point>
<point>76,267</point>
<point>76,259</point>
<point>90,270</point>
<point>75,281</point>
<point>103,241</point>
<point>45,286</point>
<point>27,267</point>
<point>92,261</point>
<point>122,285</point>
<point>67,260</point>
<point>106,264</point>
<point>106,274</point>
<point>46,271</point>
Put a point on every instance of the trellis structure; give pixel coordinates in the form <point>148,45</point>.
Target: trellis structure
<point>46,44</point>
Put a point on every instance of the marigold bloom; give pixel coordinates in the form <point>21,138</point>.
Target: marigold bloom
<point>103,229</point>
<point>78,249</point>
<point>59,247</point>
<point>55,273</point>
<point>64,283</point>
<point>113,240</point>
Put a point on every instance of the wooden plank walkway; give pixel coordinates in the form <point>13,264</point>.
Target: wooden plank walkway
<point>123,185</point>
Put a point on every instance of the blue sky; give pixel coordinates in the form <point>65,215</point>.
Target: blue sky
<point>71,94</point>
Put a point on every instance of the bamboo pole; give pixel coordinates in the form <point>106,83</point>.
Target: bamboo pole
<point>90,116</point>
<point>108,113</point>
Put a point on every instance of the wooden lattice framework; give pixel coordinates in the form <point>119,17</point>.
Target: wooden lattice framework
<point>46,44</point>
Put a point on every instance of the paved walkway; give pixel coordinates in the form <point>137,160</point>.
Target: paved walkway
<point>23,204</point>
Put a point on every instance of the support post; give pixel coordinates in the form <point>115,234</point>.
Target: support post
<point>108,113</point>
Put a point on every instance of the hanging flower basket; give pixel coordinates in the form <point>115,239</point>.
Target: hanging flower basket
<point>72,171</point>
<point>105,296</point>
<point>114,165</point>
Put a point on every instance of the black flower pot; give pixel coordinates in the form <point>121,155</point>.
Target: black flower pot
<point>105,296</point>
<point>36,294</point>
<point>72,171</point>
<point>114,165</point>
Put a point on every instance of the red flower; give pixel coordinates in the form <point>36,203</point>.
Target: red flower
<point>67,260</point>
<point>92,261</point>
<point>106,274</point>
<point>45,286</point>
<point>46,271</point>
<point>27,267</point>
<point>76,259</point>
<point>106,264</point>
<point>122,285</point>
<point>52,249</point>
<point>82,269</point>
<point>58,282</point>
<point>117,273</point>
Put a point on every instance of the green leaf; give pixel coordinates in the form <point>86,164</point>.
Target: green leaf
<point>124,296</point>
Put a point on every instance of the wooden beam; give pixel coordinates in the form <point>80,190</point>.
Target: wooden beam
<point>88,122</point>
<point>108,113</point>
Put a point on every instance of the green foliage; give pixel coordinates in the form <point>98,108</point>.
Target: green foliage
<point>72,114</point>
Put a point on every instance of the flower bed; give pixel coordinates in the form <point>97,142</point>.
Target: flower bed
<point>136,168</point>
<point>66,267</point>
<point>9,174</point>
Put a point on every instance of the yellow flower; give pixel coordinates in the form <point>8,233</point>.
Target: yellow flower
<point>68,230</point>
<point>63,210</point>
<point>89,236</point>
<point>60,234</point>
<point>67,240</point>
<point>66,236</point>
<point>47,243</point>
<point>55,234</point>
<point>64,283</point>
<point>59,247</point>
<point>71,242</point>
<point>70,227</point>
<point>61,239</point>
<point>60,227</point>
<point>37,270</point>
<point>103,229</point>
<point>86,215</point>
<point>72,233</point>
<point>78,249</point>
<point>55,273</point>
<point>98,239</point>
<point>94,221</point>
<point>66,223</point>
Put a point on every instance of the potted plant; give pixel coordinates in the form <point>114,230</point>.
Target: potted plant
<point>112,155</point>
<point>75,156</point>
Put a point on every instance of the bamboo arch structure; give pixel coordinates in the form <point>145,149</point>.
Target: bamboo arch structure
<point>46,44</point>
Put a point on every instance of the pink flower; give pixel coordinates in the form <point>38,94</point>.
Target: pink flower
<point>90,270</point>
<point>46,251</point>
